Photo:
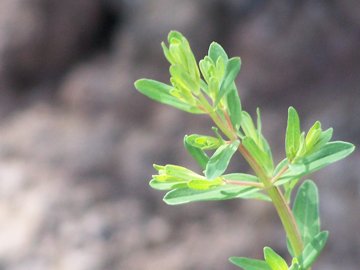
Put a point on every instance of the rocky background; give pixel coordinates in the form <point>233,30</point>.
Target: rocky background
<point>77,142</point>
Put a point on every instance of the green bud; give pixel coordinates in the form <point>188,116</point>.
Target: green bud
<point>302,146</point>
<point>313,136</point>
<point>204,184</point>
<point>203,142</point>
<point>179,54</point>
<point>181,172</point>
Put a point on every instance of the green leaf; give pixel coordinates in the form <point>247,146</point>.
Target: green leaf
<point>219,161</point>
<point>224,192</point>
<point>181,54</point>
<point>232,70</point>
<point>328,154</point>
<point>275,261</point>
<point>234,107</point>
<point>258,124</point>
<point>216,51</point>
<point>249,264</point>
<point>324,138</point>
<point>312,250</point>
<point>312,136</point>
<point>259,155</point>
<point>241,177</point>
<point>198,154</point>
<point>306,211</point>
<point>256,196</point>
<point>184,79</point>
<point>160,185</point>
<point>206,67</point>
<point>161,92</point>
<point>292,139</point>
<point>248,126</point>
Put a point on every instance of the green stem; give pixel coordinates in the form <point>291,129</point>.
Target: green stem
<point>287,219</point>
<point>282,208</point>
<point>286,215</point>
<point>215,117</point>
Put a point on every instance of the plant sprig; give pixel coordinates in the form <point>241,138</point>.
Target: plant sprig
<point>209,88</point>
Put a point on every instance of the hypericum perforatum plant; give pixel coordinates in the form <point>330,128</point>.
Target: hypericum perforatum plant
<point>209,88</point>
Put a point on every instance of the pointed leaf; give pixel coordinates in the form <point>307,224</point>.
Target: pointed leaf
<point>234,107</point>
<point>261,157</point>
<point>216,51</point>
<point>293,132</point>
<point>224,192</point>
<point>219,161</point>
<point>161,92</point>
<point>249,264</point>
<point>312,250</point>
<point>275,261</point>
<point>328,154</point>
<point>241,177</point>
<point>248,126</point>
<point>324,138</point>
<point>232,70</point>
<point>306,211</point>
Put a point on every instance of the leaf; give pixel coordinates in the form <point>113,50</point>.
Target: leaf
<point>293,132</point>
<point>275,261</point>
<point>256,196</point>
<point>220,160</point>
<point>241,177</point>
<point>306,211</point>
<point>234,107</point>
<point>232,70</point>
<point>328,154</point>
<point>199,155</point>
<point>312,136</point>
<point>312,250</point>
<point>216,51</point>
<point>258,124</point>
<point>161,92</point>
<point>324,138</point>
<point>259,155</point>
<point>184,78</point>
<point>248,126</point>
<point>159,185</point>
<point>224,192</point>
<point>180,172</point>
<point>206,66</point>
<point>249,264</point>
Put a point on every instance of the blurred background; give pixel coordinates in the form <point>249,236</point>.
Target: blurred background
<point>77,142</point>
